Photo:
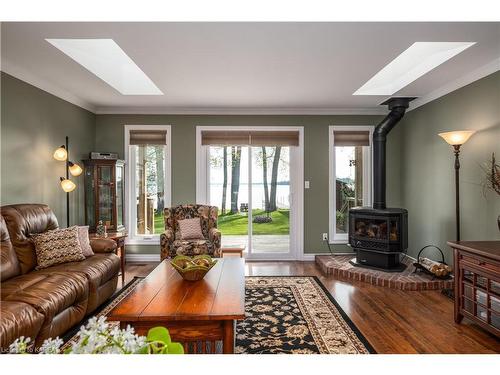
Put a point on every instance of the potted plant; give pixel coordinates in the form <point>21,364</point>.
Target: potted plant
<point>98,337</point>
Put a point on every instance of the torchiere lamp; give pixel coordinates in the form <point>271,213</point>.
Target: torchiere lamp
<point>457,139</point>
<point>62,154</point>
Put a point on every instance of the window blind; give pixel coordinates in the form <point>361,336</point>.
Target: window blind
<point>351,138</point>
<point>148,137</point>
<point>249,138</point>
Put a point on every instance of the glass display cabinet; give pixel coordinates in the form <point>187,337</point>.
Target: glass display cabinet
<point>104,193</point>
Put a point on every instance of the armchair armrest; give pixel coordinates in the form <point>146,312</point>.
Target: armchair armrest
<point>169,235</point>
<point>166,242</point>
<point>214,236</point>
<point>103,245</point>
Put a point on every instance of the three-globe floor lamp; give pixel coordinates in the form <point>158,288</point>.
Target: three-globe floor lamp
<point>62,154</point>
<point>457,139</point>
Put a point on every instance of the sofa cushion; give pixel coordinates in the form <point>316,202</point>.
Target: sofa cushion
<point>9,265</point>
<point>20,283</point>
<point>192,247</point>
<point>23,220</point>
<point>57,246</point>
<point>98,269</point>
<point>18,319</point>
<point>83,238</point>
<point>49,293</point>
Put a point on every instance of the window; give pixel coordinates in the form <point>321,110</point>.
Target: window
<point>350,175</point>
<point>148,180</point>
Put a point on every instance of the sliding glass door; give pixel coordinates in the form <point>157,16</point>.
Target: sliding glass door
<point>270,190</point>
<point>228,190</point>
<point>254,189</point>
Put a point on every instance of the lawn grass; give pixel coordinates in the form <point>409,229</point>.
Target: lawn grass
<point>159,224</point>
<point>237,224</point>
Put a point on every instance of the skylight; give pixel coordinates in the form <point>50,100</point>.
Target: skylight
<point>109,62</point>
<point>419,59</point>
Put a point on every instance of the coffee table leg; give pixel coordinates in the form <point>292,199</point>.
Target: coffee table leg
<point>228,341</point>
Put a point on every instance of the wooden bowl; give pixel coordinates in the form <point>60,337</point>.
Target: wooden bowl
<point>192,272</point>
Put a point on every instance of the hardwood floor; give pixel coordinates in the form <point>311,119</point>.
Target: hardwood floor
<point>393,321</point>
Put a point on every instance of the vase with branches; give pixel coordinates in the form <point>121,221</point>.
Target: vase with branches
<point>492,178</point>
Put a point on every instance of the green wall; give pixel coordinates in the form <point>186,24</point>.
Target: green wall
<point>110,137</point>
<point>33,124</point>
<point>427,166</point>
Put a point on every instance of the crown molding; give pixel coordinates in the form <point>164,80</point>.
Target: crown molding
<point>236,111</point>
<point>55,90</point>
<point>44,85</point>
<point>465,80</point>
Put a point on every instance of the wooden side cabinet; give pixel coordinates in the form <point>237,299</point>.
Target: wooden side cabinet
<point>104,193</point>
<point>477,283</point>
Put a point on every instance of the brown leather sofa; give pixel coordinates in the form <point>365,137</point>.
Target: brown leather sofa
<point>46,303</point>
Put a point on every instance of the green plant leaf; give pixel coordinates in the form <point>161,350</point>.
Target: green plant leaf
<point>159,334</point>
<point>174,348</point>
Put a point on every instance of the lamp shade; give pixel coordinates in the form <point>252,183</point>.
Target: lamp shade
<point>61,154</point>
<point>457,137</point>
<point>67,185</point>
<point>75,169</point>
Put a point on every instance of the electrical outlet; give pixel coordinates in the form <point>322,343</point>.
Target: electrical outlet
<point>325,236</point>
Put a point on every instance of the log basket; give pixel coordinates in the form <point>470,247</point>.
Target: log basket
<point>420,268</point>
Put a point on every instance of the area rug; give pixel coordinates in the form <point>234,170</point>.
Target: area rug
<point>295,314</point>
<point>285,314</point>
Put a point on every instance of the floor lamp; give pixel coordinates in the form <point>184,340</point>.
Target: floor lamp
<point>457,139</point>
<point>62,154</point>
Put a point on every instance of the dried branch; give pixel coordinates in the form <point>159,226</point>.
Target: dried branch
<point>492,172</point>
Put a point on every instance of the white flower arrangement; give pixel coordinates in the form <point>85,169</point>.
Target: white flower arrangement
<point>98,337</point>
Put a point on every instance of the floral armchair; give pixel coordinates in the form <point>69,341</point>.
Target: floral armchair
<point>172,245</point>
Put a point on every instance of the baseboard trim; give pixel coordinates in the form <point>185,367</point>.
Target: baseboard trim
<point>136,258</point>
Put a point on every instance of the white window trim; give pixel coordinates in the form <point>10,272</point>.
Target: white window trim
<point>129,183</point>
<point>333,237</point>
<point>297,174</point>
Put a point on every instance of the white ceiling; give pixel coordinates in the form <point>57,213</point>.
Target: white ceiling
<point>247,67</point>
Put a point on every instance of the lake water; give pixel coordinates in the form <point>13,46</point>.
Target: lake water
<point>282,195</point>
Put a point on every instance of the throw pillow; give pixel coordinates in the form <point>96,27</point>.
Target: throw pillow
<point>57,246</point>
<point>83,237</point>
<point>190,229</point>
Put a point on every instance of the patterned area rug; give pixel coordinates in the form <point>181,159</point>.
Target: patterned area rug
<point>290,314</point>
<point>295,315</point>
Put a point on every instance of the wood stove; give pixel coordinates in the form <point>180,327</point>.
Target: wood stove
<point>379,234</point>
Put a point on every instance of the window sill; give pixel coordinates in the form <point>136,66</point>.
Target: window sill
<point>339,242</point>
<point>141,241</point>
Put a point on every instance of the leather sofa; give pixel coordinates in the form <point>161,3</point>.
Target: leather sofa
<point>46,303</point>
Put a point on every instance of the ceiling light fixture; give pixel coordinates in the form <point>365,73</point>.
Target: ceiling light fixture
<point>419,59</point>
<point>105,59</point>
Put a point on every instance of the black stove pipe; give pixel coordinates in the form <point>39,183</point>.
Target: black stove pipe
<point>397,106</point>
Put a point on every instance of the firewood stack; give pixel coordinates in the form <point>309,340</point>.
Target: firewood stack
<point>436,268</point>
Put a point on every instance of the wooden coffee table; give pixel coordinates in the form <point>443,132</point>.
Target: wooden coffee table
<point>193,311</point>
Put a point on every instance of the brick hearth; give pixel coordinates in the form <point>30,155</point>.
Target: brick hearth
<point>339,266</point>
